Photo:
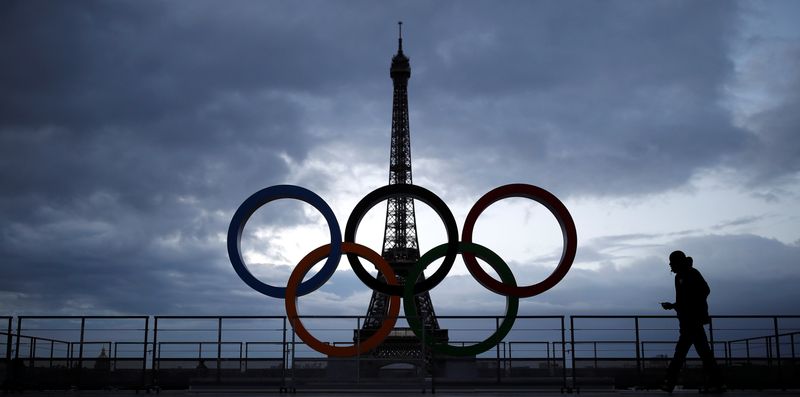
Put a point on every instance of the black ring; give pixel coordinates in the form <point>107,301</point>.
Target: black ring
<point>419,193</point>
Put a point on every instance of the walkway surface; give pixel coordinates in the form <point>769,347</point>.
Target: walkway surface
<point>384,393</point>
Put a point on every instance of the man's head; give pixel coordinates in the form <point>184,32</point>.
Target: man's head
<point>678,261</point>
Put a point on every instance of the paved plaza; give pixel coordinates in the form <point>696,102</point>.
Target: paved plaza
<point>383,393</point>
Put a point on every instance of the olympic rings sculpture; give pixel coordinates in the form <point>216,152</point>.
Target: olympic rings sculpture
<point>332,252</point>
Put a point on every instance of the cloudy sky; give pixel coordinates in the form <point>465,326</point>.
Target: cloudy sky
<point>130,131</point>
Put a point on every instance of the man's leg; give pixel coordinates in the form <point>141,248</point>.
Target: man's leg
<point>681,348</point>
<point>710,367</point>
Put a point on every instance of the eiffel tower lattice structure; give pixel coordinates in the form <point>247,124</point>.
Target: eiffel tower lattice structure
<point>400,246</point>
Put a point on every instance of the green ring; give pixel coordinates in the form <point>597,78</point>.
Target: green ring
<point>512,302</point>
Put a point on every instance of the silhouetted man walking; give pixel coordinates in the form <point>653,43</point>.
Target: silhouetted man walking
<point>691,291</point>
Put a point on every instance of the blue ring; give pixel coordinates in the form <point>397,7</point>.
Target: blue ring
<point>255,202</point>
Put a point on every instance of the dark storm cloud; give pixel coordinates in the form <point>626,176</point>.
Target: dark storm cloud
<point>125,126</point>
<point>102,63</point>
<point>774,152</point>
<point>590,98</point>
<point>127,99</point>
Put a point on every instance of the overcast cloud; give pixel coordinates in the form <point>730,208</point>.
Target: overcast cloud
<point>130,131</point>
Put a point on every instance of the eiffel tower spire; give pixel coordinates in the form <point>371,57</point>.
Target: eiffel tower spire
<point>400,246</point>
<point>400,235</point>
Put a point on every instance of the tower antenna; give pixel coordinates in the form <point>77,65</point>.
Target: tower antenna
<point>400,36</point>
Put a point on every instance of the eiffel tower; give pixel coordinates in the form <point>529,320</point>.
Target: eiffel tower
<point>400,247</point>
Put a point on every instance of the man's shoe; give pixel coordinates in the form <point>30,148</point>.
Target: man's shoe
<point>668,386</point>
<point>714,389</point>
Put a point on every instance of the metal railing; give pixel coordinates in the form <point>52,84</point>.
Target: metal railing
<point>779,370</point>
<point>161,377</point>
<point>768,343</point>
<point>263,352</point>
<point>64,363</point>
<point>9,337</point>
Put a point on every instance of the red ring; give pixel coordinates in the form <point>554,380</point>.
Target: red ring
<point>291,301</point>
<point>555,206</point>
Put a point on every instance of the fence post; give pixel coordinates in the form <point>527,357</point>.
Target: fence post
<point>80,351</point>
<point>728,353</point>
<point>572,349</point>
<point>768,346</point>
<point>154,366</point>
<point>114,355</point>
<point>284,356</point>
<point>547,349</point>
<point>144,352</point>
<point>642,350</point>
<point>747,350</point>
<point>8,342</point>
<point>778,351</point>
<point>242,364</point>
<point>32,352</point>
<point>563,354</point>
<point>219,349</point>
<point>497,348</point>
<point>294,356</point>
<point>19,335</point>
<point>711,335</point>
<point>638,352</point>
<point>246,355</point>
